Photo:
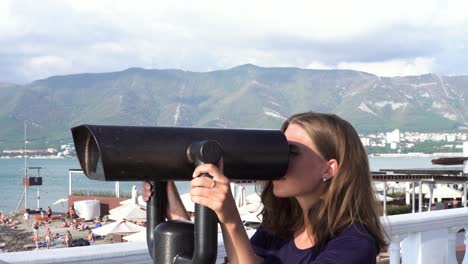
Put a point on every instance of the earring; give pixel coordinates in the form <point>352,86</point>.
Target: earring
<point>324,179</point>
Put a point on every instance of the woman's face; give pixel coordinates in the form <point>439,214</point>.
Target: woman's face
<point>306,167</point>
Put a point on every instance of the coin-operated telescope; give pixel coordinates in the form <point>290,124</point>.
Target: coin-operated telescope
<point>160,154</point>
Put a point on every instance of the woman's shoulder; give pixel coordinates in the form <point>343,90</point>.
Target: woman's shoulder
<point>263,239</point>
<point>354,237</point>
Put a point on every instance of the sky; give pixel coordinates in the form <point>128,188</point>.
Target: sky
<point>43,38</point>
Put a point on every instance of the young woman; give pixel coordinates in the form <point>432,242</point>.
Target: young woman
<point>322,211</point>
<point>91,237</point>
<point>68,238</point>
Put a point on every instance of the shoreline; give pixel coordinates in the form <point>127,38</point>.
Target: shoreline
<point>384,155</point>
<point>20,238</point>
<point>416,155</point>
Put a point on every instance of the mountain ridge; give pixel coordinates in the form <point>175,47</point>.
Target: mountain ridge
<point>245,96</point>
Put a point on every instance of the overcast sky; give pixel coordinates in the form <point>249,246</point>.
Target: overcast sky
<point>388,38</point>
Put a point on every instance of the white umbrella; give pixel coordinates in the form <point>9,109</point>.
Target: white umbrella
<point>253,198</point>
<point>425,189</point>
<point>251,212</point>
<point>240,196</point>
<point>188,204</point>
<point>378,186</point>
<point>132,201</point>
<point>61,200</point>
<point>446,192</point>
<point>380,197</point>
<point>140,236</point>
<point>133,212</point>
<point>119,227</point>
<point>250,208</point>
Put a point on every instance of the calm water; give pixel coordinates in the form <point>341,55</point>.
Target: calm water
<point>55,179</point>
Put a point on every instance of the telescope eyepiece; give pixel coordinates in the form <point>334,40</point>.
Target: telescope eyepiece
<point>206,151</point>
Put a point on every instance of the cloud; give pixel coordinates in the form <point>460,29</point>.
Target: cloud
<point>46,66</point>
<point>395,37</point>
<point>390,68</point>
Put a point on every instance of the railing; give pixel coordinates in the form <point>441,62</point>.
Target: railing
<point>425,238</point>
<point>420,238</point>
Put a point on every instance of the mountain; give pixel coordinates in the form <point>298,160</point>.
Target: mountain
<point>246,96</point>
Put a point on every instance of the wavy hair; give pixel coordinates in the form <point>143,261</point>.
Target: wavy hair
<point>348,197</point>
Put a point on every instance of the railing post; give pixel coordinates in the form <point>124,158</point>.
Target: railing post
<point>420,202</point>
<point>465,258</point>
<point>452,247</point>
<point>394,249</point>
<point>385,198</point>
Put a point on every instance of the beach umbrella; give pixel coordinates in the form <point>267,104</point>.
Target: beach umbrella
<point>120,228</point>
<point>250,208</point>
<point>140,201</point>
<point>253,198</point>
<point>137,237</point>
<point>60,201</point>
<point>188,204</point>
<point>130,211</point>
<point>240,196</point>
<point>380,197</point>
<point>446,192</point>
<point>425,189</point>
<point>252,217</point>
<point>378,186</point>
<point>251,212</point>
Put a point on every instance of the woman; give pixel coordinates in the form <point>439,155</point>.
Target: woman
<point>91,237</point>
<point>47,238</point>
<point>322,211</point>
<point>68,238</point>
<point>49,213</point>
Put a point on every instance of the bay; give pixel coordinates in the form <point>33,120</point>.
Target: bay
<point>55,180</point>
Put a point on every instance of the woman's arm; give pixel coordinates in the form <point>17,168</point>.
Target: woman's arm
<point>216,194</point>
<point>175,207</point>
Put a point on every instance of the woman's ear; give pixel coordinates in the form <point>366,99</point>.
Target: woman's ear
<point>331,169</point>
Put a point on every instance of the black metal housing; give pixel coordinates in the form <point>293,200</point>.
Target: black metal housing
<point>160,154</point>
<point>123,153</point>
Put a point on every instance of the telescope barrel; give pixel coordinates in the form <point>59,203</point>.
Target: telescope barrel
<point>125,153</point>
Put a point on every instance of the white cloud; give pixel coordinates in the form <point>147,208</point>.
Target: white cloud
<point>388,68</point>
<point>387,38</point>
<point>7,19</point>
<point>46,66</point>
<point>317,65</point>
<point>396,67</point>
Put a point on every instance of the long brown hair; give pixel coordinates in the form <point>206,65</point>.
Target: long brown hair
<point>348,197</point>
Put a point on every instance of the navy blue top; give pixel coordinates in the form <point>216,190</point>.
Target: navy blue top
<point>355,245</point>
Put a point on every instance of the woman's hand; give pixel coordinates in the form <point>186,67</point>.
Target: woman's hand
<point>147,191</point>
<point>175,207</point>
<point>214,193</point>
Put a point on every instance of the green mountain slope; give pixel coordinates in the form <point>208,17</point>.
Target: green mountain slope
<point>245,96</point>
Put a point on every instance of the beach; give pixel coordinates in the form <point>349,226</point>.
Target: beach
<point>19,236</point>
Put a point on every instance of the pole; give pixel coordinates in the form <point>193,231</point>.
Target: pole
<point>117,189</point>
<point>25,170</point>
<point>431,191</point>
<point>69,183</point>
<point>38,198</point>
<point>464,194</point>
<point>413,198</point>
<point>385,198</point>
<point>420,197</point>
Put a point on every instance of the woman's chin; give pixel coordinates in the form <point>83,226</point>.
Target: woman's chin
<point>279,188</point>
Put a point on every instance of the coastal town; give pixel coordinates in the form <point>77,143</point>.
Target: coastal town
<point>381,143</point>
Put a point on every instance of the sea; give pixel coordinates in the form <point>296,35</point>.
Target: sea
<point>55,180</point>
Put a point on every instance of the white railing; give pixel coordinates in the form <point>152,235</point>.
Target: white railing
<point>420,238</point>
<point>425,238</point>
